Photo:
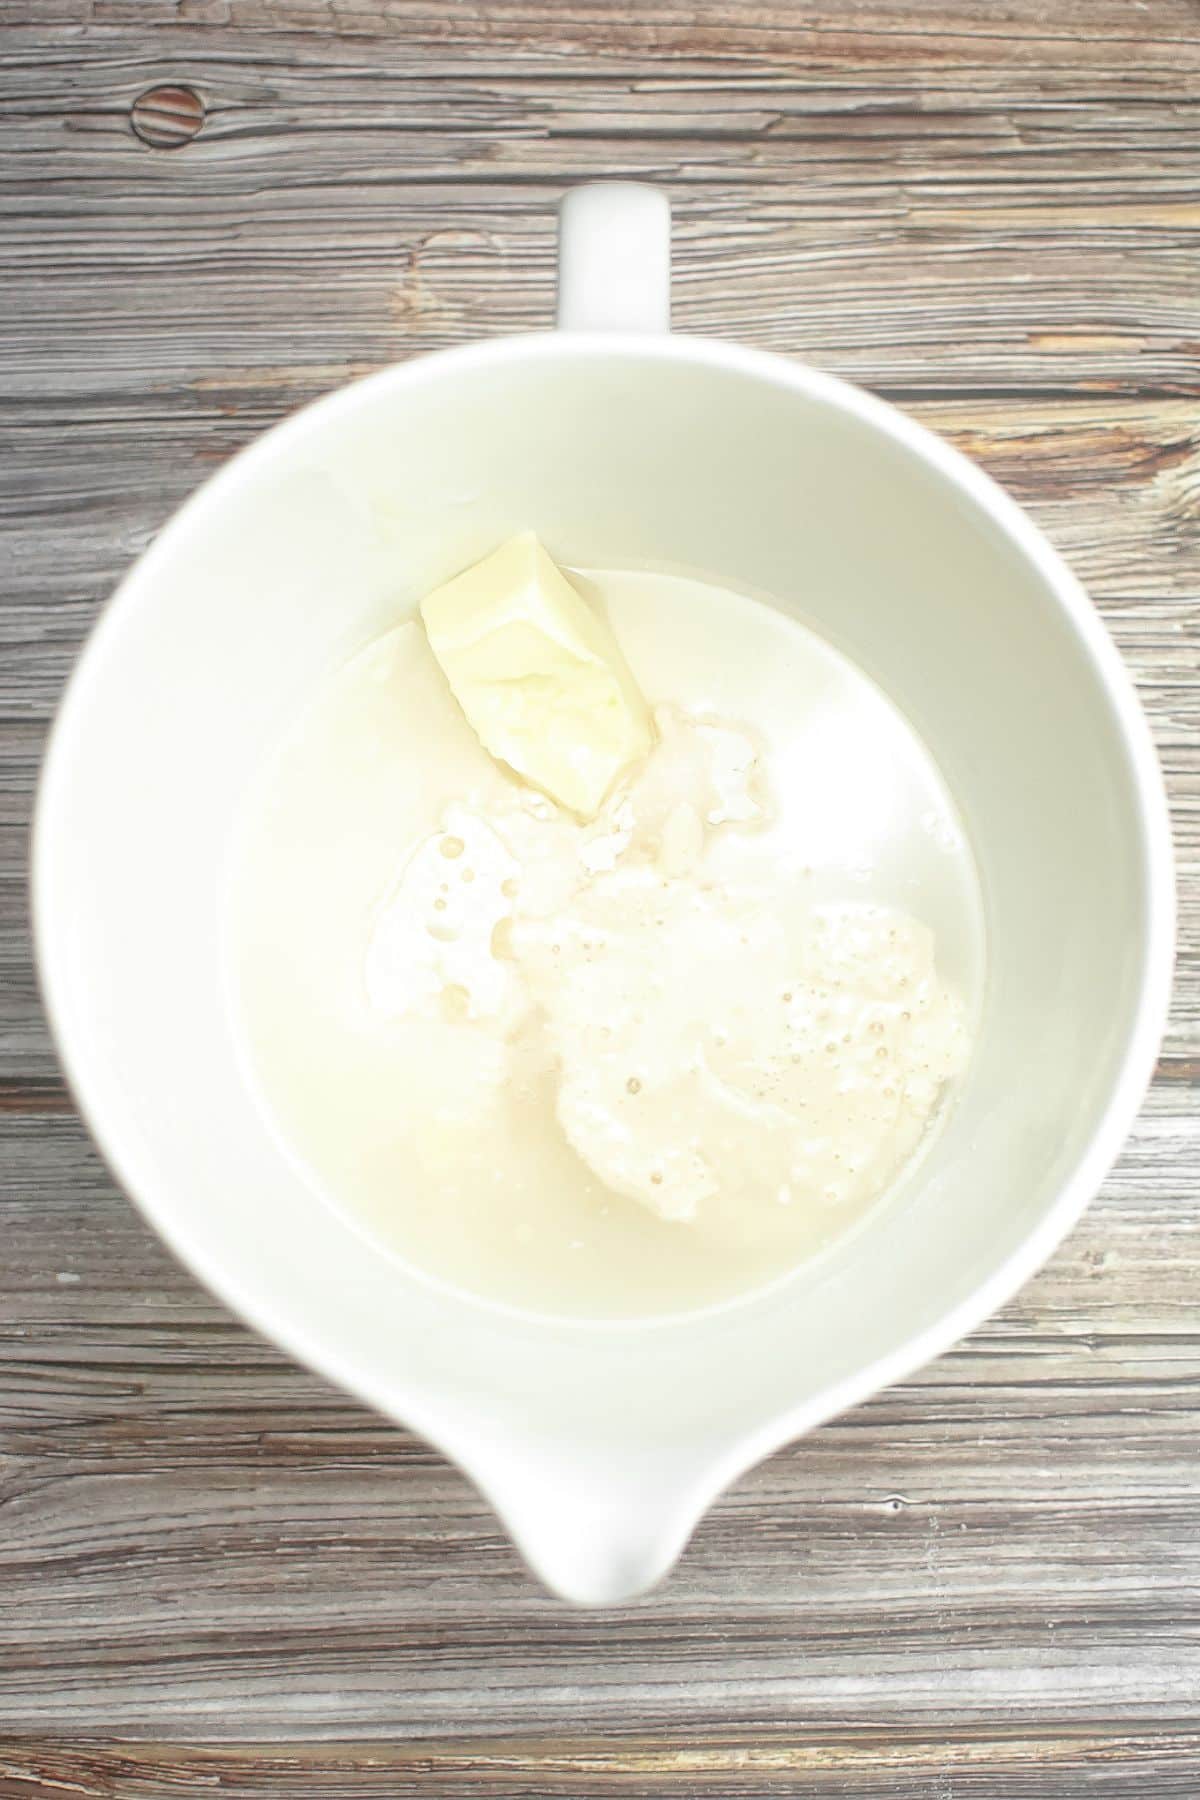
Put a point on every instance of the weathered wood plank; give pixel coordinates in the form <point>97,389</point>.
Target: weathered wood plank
<point>858,1766</point>
<point>1028,225</point>
<point>1093,35</point>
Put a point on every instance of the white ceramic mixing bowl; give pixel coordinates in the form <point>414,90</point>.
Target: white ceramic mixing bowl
<point>622,445</point>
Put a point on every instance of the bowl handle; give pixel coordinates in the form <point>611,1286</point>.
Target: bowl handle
<point>614,258</point>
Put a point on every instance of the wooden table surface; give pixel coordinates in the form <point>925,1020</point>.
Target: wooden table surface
<point>216,1573</point>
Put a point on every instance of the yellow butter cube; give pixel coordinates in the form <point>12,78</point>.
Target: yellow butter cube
<point>538,674</point>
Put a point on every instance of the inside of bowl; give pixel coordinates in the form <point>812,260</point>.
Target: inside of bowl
<point>323,535</point>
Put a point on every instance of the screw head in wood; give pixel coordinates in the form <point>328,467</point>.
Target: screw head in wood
<point>167,117</point>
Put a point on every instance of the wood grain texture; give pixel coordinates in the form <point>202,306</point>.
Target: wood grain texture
<point>859,1766</point>
<point>217,1574</point>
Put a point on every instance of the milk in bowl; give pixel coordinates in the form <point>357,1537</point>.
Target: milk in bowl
<point>602,942</point>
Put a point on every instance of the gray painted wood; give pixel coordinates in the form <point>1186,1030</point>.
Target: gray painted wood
<point>985,1582</point>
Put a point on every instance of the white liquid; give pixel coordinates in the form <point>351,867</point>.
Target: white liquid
<point>379,1022</point>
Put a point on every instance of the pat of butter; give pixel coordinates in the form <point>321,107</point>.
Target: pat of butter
<point>538,674</point>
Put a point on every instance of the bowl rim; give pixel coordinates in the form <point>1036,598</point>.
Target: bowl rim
<point>1130,1080</point>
